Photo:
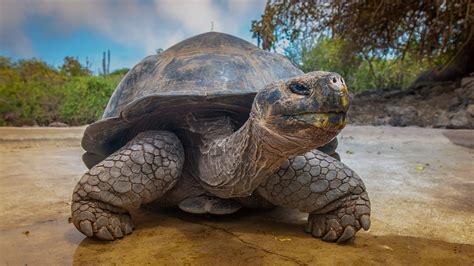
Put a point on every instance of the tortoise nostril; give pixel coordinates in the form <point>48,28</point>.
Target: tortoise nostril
<point>334,80</point>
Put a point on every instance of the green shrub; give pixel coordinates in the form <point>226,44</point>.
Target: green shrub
<point>33,93</point>
<point>361,73</point>
<point>120,72</point>
<point>86,99</point>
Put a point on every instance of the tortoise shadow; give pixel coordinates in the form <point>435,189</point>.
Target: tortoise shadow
<point>186,227</point>
<point>171,236</point>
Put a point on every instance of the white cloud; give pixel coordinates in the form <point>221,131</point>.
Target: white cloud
<point>12,15</point>
<point>191,15</point>
<point>140,24</point>
<point>242,6</point>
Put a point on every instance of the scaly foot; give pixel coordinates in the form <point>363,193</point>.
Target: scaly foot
<point>351,214</point>
<point>95,219</point>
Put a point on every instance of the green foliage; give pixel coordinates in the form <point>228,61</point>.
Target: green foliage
<point>381,27</point>
<point>382,73</point>
<point>361,73</point>
<point>328,55</point>
<point>33,93</point>
<point>425,30</point>
<point>86,99</point>
<point>120,72</point>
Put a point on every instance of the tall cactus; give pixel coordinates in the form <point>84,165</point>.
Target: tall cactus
<point>104,67</point>
<point>108,62</point>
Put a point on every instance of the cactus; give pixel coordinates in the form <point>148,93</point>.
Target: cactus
<point>108,62</point>
<point>104,67</point>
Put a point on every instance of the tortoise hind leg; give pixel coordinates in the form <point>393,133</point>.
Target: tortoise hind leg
<point>138,173</point>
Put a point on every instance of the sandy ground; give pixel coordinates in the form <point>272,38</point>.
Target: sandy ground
<point>420,183</point>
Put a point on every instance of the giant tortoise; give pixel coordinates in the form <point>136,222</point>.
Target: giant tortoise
<point>214,124</point>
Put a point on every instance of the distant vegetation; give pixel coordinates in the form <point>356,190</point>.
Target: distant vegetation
<point>376,44</point>
<point>35,93</point>
<point>361,73</point>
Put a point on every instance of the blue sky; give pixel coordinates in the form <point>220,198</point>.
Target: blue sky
<point>52,29</point>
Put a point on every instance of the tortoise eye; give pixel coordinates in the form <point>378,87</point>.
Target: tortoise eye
<point>299,89</point>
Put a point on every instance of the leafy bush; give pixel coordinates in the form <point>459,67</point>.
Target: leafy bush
<point>120,72</point>
<point>361,73</point>
<point>33,93</point>
<point>327,55</point>
<point>86,99</point>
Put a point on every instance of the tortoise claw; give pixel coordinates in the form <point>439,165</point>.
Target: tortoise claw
<point>365,222</point>
<point>86,228</point>
<point>104,234</point>
<point>349,233</point>
<point>330,236</point>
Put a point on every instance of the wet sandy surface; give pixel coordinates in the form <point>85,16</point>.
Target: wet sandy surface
<point>420,183</point>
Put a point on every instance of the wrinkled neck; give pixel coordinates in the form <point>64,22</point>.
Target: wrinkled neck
<point>234,165</point>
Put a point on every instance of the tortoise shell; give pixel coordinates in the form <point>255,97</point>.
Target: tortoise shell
<point>212,73</point>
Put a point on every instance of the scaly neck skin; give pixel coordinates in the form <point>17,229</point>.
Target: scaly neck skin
<point>234,165</point>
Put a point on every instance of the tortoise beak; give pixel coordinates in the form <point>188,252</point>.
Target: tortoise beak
<point>344,90</point>
<point>345,98</point>
<point>329,120</point>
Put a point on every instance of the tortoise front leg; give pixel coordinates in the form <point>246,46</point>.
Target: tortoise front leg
<point>140,172</point>
<point>332,194</point>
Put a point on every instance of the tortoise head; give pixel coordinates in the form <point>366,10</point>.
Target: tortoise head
<point>309,109</point>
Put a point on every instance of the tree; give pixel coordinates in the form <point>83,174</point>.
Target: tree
<point>72,67</point>
<point>375,28</point>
